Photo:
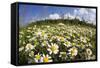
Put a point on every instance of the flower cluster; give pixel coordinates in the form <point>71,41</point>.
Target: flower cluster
<point>56,43</point>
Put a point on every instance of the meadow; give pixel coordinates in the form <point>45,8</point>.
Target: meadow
<point>58,40</point>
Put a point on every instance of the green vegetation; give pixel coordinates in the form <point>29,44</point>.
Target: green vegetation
<point>57,41</point>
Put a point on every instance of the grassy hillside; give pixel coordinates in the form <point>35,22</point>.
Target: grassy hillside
<point>57,41</point>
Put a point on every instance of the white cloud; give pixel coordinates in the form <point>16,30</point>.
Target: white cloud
<point>86,14</point>
<point>83,11</point>
<point>69,16</point>
<point>78,17</point>
<point>54,16</point>
<point>75,12</point>
<point>93,10</point>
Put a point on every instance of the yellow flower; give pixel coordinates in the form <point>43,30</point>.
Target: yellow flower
<point>46,58</point>
<point>37,56</point>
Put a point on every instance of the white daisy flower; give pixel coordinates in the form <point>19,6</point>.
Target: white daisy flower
<point>53,48</point>
<point>38,58</point>
<point>48,26</point>
<point>59,38</point>
<point>61,24</point>
<point>28,36</point>
<point>63,55</point>
<point>89,45</point>
<point>45,36</point>
<point>31,54</point>
<point>29,47</point>
<point>73,51</point>
<point>39,33</point>
<point>29,31</point>
<point>31,39</point>
<point>83,39</point>
<point>89,51</point>
<point>44,43</point>
<point>67,43</point>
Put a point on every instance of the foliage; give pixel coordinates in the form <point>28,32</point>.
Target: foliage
<point>57,41</point>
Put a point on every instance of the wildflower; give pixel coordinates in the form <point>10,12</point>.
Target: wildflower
<point>53,48</point>
<point>59,38</point>
<point>83,39</point>
<point>48,26</point>
<point>29,47</point>
<point>28,36</point>
<point>89,45</point>
<point>38,33</point>
<point>67,44</point>
<point>68,37</point>
<point>29,31</point>
<point>32,39</point>
<point>61,24</point>
<point>63,55</point>
<point>46,58</point>
<point>44,43</point>
<point>38,58</point>
<point>31,54</point>
<point>45,36</point>
<point>73,51</point>
<point>89,51</point>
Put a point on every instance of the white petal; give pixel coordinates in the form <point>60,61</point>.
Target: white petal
<point>49,49</point>
<point>49,46</point>
<point>50,52</point>
<point>50,60</point>
<point>36,60</point>
<point>56,51</point>
<point>41,59</point>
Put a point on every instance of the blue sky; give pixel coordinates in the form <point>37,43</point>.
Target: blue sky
<point>31,13</point>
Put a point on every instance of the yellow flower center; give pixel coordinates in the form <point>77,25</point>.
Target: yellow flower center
<point>45,59</point>
<point>29,46</point>
<point>37,57</point>
<point>53,48</point>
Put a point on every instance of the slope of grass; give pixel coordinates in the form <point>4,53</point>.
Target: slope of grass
<point>57,41</point>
